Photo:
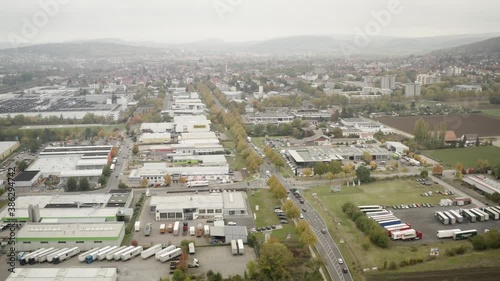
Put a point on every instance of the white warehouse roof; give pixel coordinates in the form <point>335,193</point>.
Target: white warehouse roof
<point>202,201</point>
<point>73,230</point>
<point>64,274</point>
<point>81,173</point>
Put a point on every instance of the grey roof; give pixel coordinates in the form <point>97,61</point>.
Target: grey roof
<point>235,230</point>
<point>64,274</point>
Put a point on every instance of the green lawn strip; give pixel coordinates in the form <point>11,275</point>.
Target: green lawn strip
<point>491,112</point>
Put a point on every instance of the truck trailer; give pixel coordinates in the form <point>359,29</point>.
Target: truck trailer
<point>192,250</point>
<point>170,255</point>
<point>102,255</point>
<point>118,255</point>
<point>241,247</point>
<point>90,258</point>
<point>192,231</point>
<point>163,251</point>
<point>148,229</point>
<point>25,259</point>
<point>137,226</point>
<point>452,218</point>
<point>459,218</point>
<point>406,235</point>
<point>447,233</point>
<point>176,228</point>
<point>66,255</point>
<point>397,227</point>
<point>35,257</point>
<point>464,234</point>
<point>83,256</point>
<point>130,254</point>
<point>43,257</point>
<point>234,247</point>
<point>163,228</point>
<point>110,254</point>
<point>51,256</point>
<point>170,228</point>
<point>389,222</point>
<point>151,251</point>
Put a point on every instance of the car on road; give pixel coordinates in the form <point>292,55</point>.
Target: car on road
<point>231,223</point>
<point>301,216</point>
<point>344,270</point>
<point>323,231</point>
<point>304,210</point>
<point>341,261</point>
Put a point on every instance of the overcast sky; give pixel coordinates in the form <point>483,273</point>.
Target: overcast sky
<point>238,20</point>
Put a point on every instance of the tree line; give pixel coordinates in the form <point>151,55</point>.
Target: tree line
<point>377,234</point>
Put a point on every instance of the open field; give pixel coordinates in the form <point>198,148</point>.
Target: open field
<point>390,193</point>
<point>492,112</point>
<point>265,215</point>
<point>461,124</point>
<point>467,156</point>
<point>483,274</point>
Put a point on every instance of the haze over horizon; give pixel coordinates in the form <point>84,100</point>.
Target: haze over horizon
<point>241,20</point>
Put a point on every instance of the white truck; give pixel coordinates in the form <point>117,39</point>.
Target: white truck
<point>151,251</point>
<point>206,230</point>
<point>51,256</point>
<point>83,256</point>
<point>91,257</point>
<point>66,255</point>
<point>192,249</point>
<point>132,253</point>
<point>447,233</point>
<point>34,258</point>
<point>241,248</point>
<point>43,257</point>
<point>192,230</point>
<point>176,228</point>
<point>137,226</point>
<point>25,259</point>
<point>170,255</point>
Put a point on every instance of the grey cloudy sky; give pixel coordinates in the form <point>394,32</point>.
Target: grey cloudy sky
<point>238,20</point>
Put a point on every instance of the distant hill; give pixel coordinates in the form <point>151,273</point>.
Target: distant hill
<point>486,47</point>
<point>83,49</point>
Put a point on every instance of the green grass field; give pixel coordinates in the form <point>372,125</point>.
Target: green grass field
<point>467,156</point>
<point>265,215</point>
<point>384,193</point>
<point>491,112</point>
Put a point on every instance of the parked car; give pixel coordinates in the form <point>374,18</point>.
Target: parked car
<point>304,210</point>
<point>341,261</point>
<point>283,221</point>
<point>231,223</point>
<point>323,230</point>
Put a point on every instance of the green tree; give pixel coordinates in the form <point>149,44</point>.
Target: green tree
<point>363,174</point>
<point>367,157</point>
<point>135,149</point>
<point>337,133</point>
<point>72,184</point>
<point>122,186</point>
<point>103,180</point>
<point>106,171</point>
<point>23,165</point>
<point>83,184</point>
<point>330,176</point>
<point>335,167</point>
<point>273,261</point>
<point>320,168</point>
<point>424,174</point>
<point>290,209</point>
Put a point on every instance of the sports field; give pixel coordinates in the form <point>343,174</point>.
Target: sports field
<point>467,156</point>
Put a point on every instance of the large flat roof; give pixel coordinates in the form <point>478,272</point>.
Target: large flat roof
<point>26,175</point>
<point>55,164</point>
<point>202,201</point>
<point>6,145</point>
<point>81,173</point>
<point>198,135</point>
<point>64,274</point>
<point>63,213</point>
<point>70,231</point>
<point>483,183</point>
<point>22,202</point>
<point>327,153</point>
<point>208,160</point>
<point>233,200</point>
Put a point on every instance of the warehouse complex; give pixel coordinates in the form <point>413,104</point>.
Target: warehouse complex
<point>309,156</point>
<point>88,207</point>
<point>7,147</point>
<point>194,206</point>
<point>73,161</point>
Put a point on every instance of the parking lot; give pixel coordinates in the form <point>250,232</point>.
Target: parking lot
<point>215,258</point>
<point>423,220</point>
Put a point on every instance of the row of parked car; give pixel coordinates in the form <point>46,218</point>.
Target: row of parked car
<point>423,205</point>
<point>281,215</point>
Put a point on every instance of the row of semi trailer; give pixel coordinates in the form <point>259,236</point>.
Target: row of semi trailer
<point>472,215</point>
<point>56,255</point>
<point>396,229</point>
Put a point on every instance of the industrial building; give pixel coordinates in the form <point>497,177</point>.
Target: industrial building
<point>228,233</point>
<point>95,207</point>
<point>194,206</point>
<point>170,150</point>
<point>33,236</point>
<point>26,179</point>
<point>152,138</point>
<point>73,161</point>
<point>269,117</point>
<point>164,127</point>
<point>309,156</point>
<point>483,183</point>
<point>7,147</point>
<point>64,274</point>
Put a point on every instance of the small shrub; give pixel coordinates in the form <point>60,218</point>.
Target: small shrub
<point>392,265</point>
